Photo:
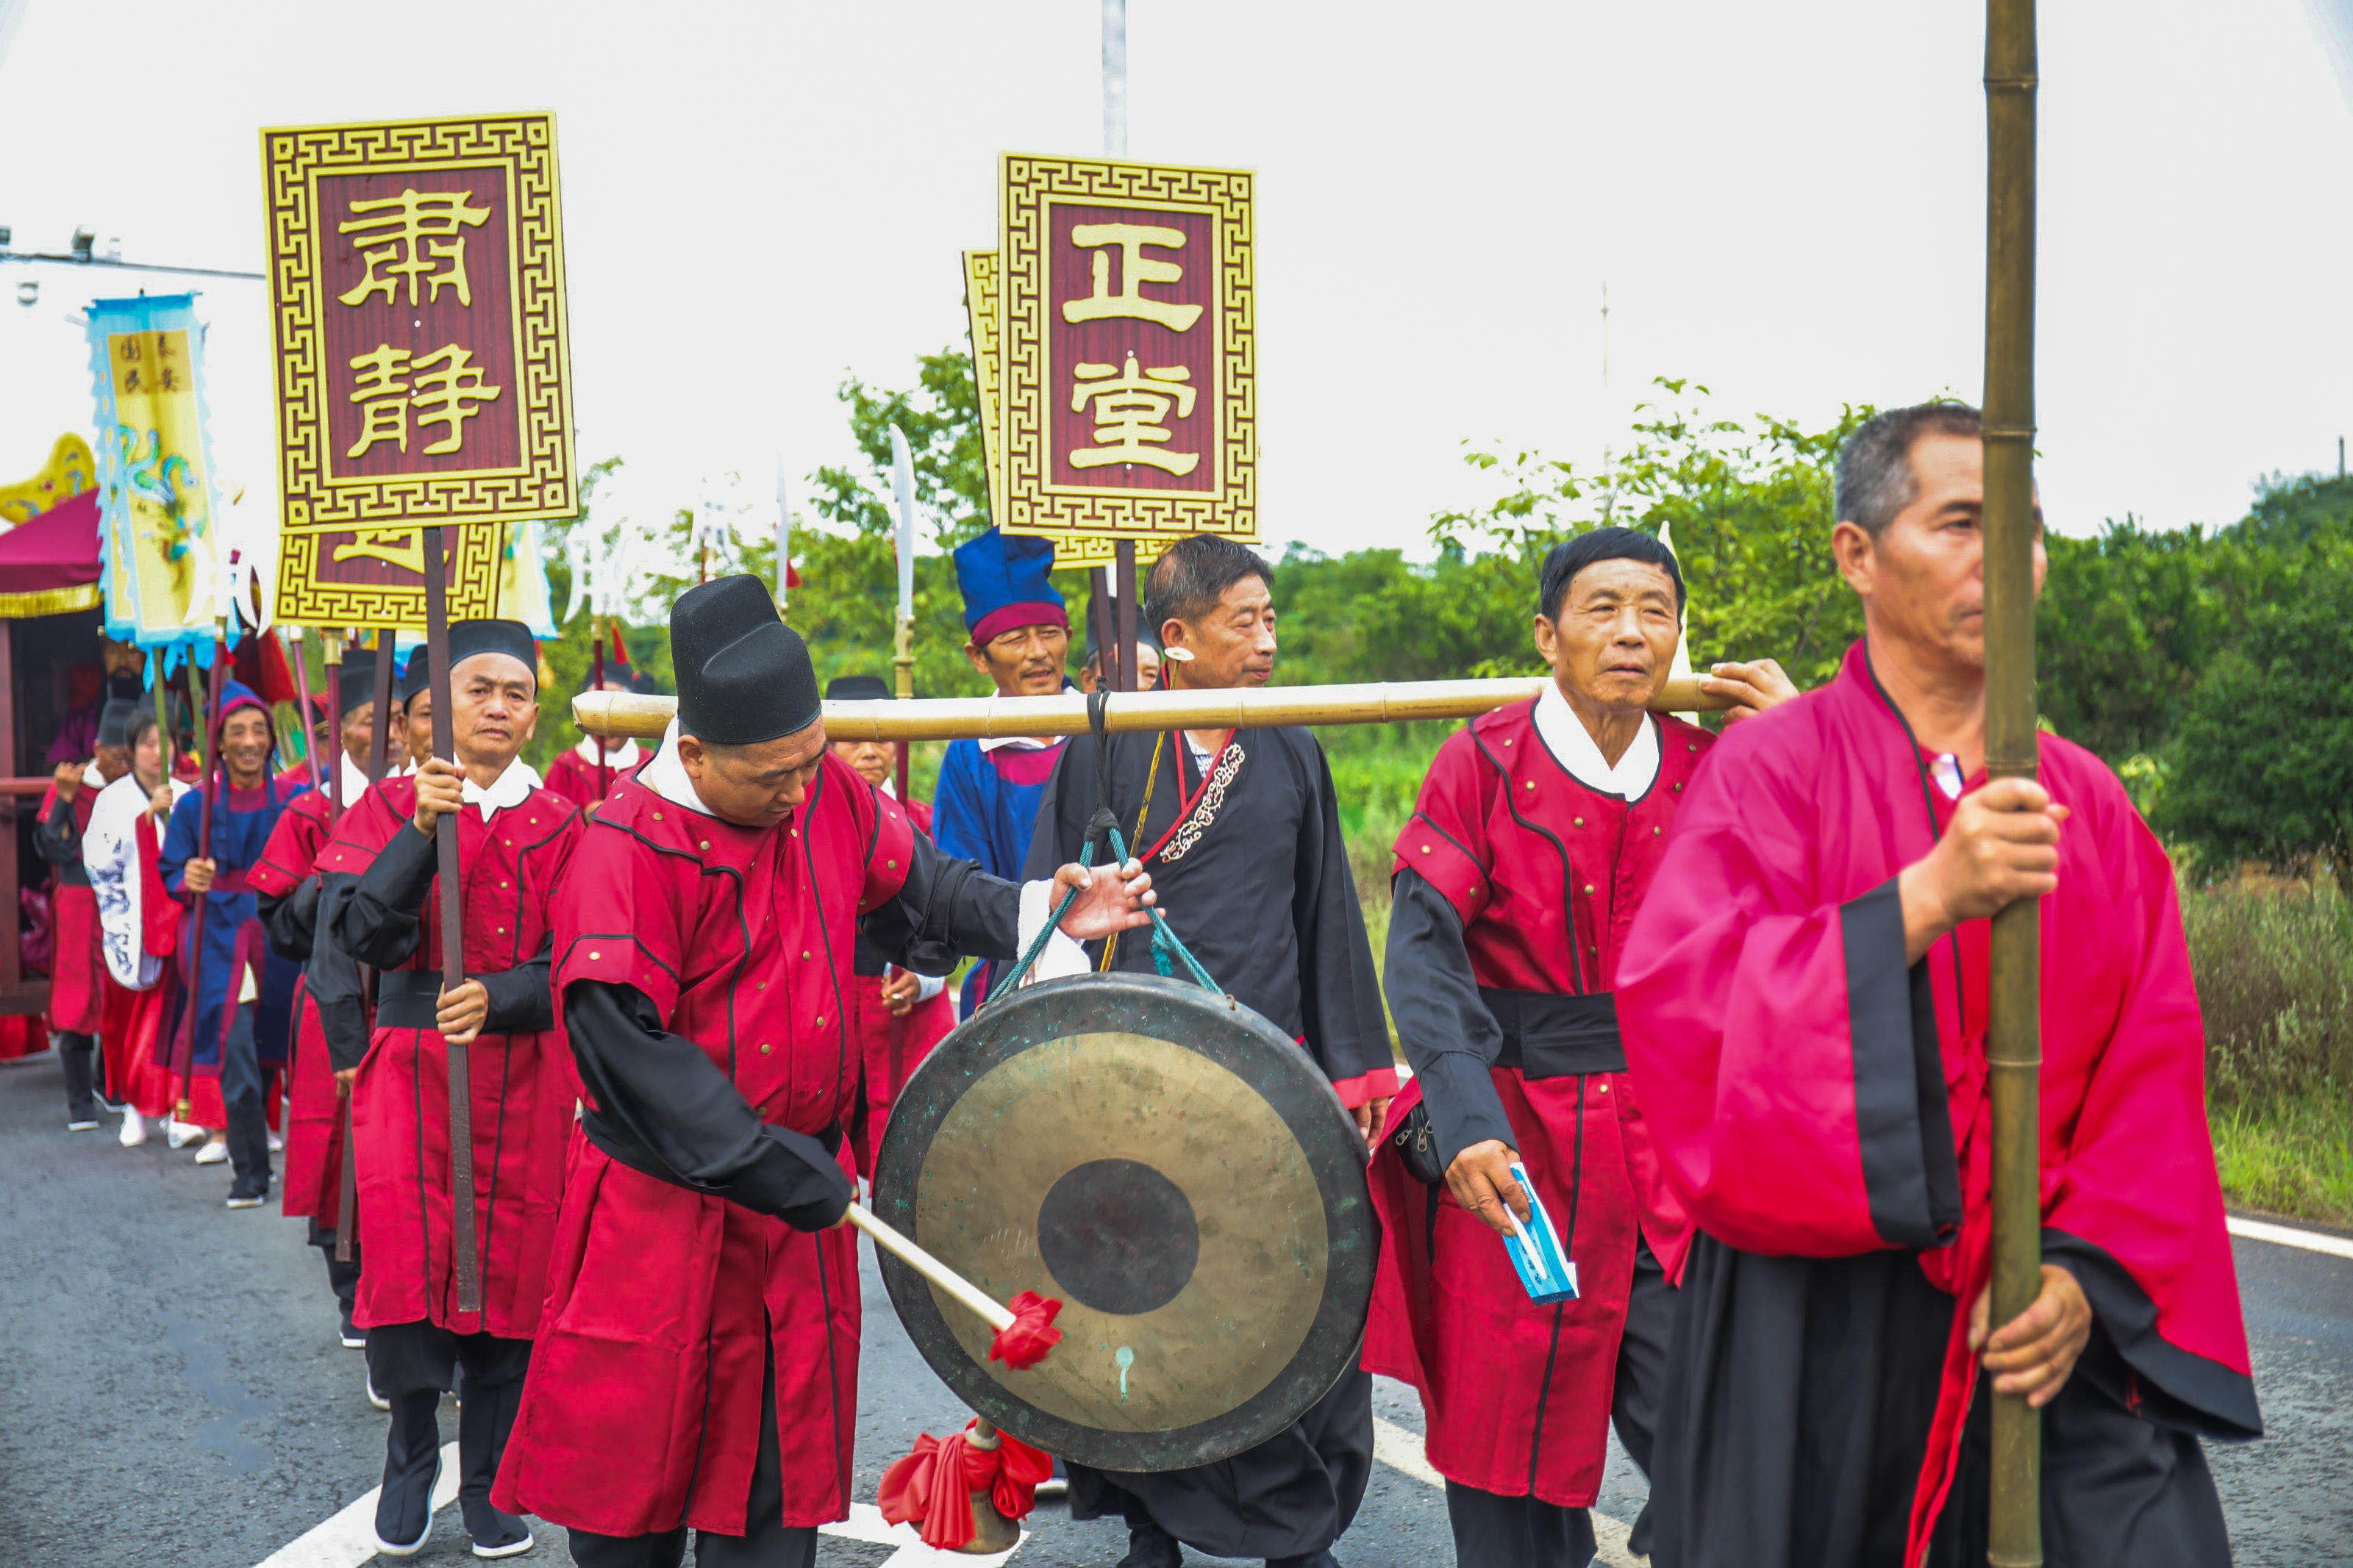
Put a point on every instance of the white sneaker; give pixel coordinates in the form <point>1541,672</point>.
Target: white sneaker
<point>277,1145</point>
<point>180,1134</point>
<point>134,1129</point>
<point>213,1155</point>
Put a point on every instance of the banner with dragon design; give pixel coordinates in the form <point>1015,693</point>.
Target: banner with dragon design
<point>159,529</point>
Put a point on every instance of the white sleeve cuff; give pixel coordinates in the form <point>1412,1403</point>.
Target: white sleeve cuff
<point>928,986</point>
<point>1062,956</point>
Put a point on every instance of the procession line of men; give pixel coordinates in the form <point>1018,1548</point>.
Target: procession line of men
<point>1722,998</point>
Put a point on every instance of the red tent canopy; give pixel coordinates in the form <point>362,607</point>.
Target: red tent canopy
<point>48,566</point>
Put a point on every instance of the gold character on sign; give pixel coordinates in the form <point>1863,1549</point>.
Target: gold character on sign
<point>1135,269</point>
<point>1132,406</point>
<point>445,387</point>
<point>413,235</point>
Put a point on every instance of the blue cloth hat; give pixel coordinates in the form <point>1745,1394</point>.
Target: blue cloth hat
<point>1006,585</point>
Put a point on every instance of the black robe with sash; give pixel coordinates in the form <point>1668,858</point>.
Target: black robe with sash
<point>1252,874</point>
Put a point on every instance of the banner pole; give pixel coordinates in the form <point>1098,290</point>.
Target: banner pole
<point>467,1264</point>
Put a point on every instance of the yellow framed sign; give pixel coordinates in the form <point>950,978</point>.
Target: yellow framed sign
<point>418,313</point>
<point>1128,393</point>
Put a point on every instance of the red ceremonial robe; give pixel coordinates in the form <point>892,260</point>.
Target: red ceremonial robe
<point>77,965</point>
<point>642,1412</point>
<point>1541,876</point>
<point>523,1097</point>
<point>1814,1099</point>
<point>315,1122</point>
<point>573,776</point>
<point>889,1045</point>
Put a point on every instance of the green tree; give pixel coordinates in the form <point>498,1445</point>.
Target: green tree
<point>2120,636</point>
<point>2261,768</point>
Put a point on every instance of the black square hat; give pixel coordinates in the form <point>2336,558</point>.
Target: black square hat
<point>744,675</point>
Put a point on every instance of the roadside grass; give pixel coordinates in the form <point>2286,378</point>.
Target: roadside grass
<point>2294,1161</point>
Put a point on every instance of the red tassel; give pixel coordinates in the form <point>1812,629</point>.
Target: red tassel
<point>932,1487</point>
<point>1024,1342</point>
<point>621,652</point>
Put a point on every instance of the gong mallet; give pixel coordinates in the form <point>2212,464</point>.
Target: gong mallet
<point>1025,1332</point>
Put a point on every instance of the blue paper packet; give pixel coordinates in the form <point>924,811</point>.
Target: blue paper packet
<point>1545,1271</point>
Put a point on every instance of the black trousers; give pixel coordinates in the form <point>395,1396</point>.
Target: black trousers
<point>343,1278</point>
<point>242,1092</point>
<point>766,1541</point>
<point>77,1055</point>
<point>1527,1533</point>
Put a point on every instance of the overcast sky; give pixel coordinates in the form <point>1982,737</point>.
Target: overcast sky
<point>1785,201</point>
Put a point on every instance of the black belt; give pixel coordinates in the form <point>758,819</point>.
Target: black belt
<point>407,999</point>
<point>1548,1035</point>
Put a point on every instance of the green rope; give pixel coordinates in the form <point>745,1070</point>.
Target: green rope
<point>1164,940</point>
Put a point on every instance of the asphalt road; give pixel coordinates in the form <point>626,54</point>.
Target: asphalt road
<point>172,1390</point>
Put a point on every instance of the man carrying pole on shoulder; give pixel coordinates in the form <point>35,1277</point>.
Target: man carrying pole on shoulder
<point>1804,1002</point>
<point>697,1363</point>
<point>1535,839</point>
<point>379,901</point>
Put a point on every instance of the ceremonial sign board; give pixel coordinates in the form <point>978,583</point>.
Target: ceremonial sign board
<point>417,284</point>
<point>982,304</point>
<point>1128,395</point>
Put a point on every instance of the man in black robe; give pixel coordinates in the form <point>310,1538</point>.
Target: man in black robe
<point>1240,831</point>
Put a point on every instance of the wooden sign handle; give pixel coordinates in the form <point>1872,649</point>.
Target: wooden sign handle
<point>466,1261</point>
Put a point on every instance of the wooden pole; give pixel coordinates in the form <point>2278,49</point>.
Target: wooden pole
<point>465,1261</point>
<point>293,645</point>
<point>645,715</point>
<point>597,681</point>
<point>1124,570</point>
<point>185,1055</point>
<point>2014,1043</point>
<point>1102,621</point>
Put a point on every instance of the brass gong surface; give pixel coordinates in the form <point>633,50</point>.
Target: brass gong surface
<point>1174,1169</point>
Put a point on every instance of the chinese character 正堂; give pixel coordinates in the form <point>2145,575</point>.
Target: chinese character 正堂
<point>1135,271</point>
<point>408,236</point>
<point>1131,409</point>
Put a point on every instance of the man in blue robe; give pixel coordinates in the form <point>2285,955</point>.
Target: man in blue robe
<point>245,992</point>
<point>985,807</point>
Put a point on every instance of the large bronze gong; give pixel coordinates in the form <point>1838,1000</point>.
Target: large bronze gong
<point>1172,1167</point>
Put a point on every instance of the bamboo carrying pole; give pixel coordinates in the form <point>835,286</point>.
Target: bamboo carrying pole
<point>1243,707</point>
<point>465,1262</point>
<point>2013,1042</point>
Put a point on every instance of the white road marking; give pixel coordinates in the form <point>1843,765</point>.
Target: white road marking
<point>866,1523</point>
<point>2290,1235</point>
<point>349,1537</point>
<point>1401,1449</point>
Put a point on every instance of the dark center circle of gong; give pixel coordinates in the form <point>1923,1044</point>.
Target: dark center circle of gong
<point>1119,1235</point>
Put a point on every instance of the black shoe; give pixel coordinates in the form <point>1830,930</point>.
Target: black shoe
<point>248,1194</point>
<point>354,1337</point>
<point>1149,1546</point>
<point>1312,1559</point>
<point>412,1467</point>
<point>495,1534</point>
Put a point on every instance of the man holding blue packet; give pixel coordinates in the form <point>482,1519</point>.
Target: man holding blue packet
<point>1534,839</point>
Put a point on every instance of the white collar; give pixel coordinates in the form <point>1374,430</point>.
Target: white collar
<point>511,787</point>
<point>1572,745</point>
<point>1019,743</point>
<point>1946,771</point>
<point>666,775</point>
<point>351,779</point>
<point>625,755</point>
<point>93,778</point>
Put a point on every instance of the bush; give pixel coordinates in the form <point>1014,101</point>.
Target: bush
<point>2274,968</point>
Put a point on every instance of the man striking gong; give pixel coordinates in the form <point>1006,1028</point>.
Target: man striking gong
<point>697,1363</point>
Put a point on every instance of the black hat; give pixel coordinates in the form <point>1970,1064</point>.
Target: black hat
<point>744,675</point>
<point>856,689</point>
<point>114,723</point>
<point>645,685</point>
<point>412,679</point>
<point>468,638</point>
<point>356,683</point>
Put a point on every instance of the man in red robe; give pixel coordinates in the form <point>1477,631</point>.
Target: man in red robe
<point>380,903</point>
<point>587,772</point>
<point>1804,1001</point>
<point>897,1014</point>
<point>697,1363</point>
<point>1537,835</point>
<point>78,969</point>
<point>286,882</point>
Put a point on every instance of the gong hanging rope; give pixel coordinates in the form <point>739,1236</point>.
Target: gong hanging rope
<point>1101,828</point>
